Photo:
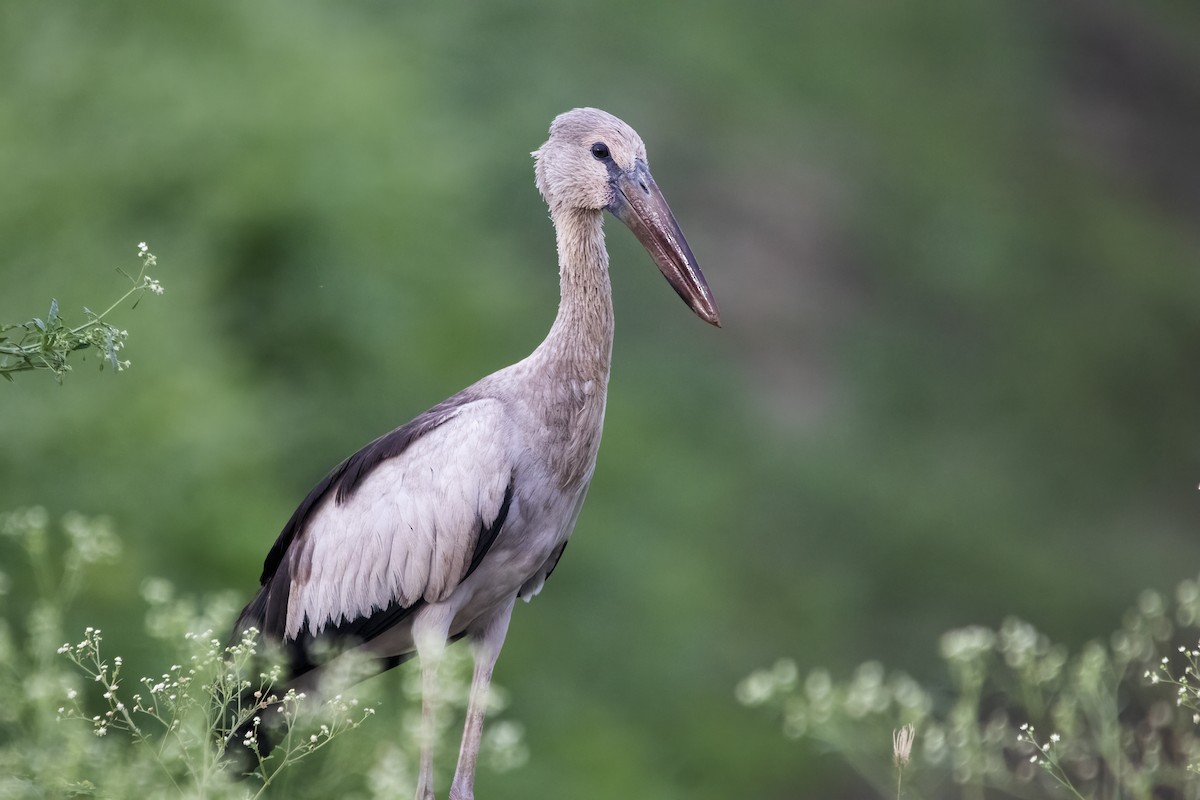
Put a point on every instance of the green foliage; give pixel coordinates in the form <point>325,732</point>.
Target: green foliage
<point>1114,732</point>
<point>183,723</point>
<point>71,726</point>
<point>48,343</point>
<point>954,245</point>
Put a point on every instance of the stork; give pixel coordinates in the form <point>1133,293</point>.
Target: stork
<point>431,532</point>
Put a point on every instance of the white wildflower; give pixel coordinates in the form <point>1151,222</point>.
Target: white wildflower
<point>902,742</point>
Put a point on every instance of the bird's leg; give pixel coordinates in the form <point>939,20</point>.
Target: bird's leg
<point>429,635</point>
<point>487,643</point>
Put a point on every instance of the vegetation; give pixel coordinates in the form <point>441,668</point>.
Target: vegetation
<point>955,250</point>
<point>1118,719</point>
<point>47,343</point>
<point>74,727</point>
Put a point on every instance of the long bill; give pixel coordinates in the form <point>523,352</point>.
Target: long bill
<point>638,203</point>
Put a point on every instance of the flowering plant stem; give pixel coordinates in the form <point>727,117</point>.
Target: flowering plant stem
<point>48,343</point>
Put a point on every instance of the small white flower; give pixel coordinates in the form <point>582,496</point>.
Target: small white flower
<point>142,248</point>
<point>313,738</point>
<point>1054,737</point>
<point>902,742</point>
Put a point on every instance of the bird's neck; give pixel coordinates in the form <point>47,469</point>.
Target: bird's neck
<point>580,341</point>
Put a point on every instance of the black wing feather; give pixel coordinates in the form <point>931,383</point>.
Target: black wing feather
<point>268,609</point>
<point>349,475</point>
<point>367,628</point>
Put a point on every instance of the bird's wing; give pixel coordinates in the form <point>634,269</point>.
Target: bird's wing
<point>399,523</point>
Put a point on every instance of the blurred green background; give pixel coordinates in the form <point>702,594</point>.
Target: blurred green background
<point>956,247</point>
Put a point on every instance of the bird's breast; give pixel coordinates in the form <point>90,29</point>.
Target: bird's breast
<point>540,521</point>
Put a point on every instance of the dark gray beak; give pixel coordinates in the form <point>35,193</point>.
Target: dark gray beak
<point>638,203</point>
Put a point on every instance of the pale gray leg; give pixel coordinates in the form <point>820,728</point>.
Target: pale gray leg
<point>429,634</point>
<point>487,643</point>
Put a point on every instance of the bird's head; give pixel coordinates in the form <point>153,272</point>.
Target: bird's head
<point>594,161</point>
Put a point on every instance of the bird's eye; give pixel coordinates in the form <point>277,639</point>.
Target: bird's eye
<point>600,151</point>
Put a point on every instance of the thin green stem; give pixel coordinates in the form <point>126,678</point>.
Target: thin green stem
<point>141,287</point>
